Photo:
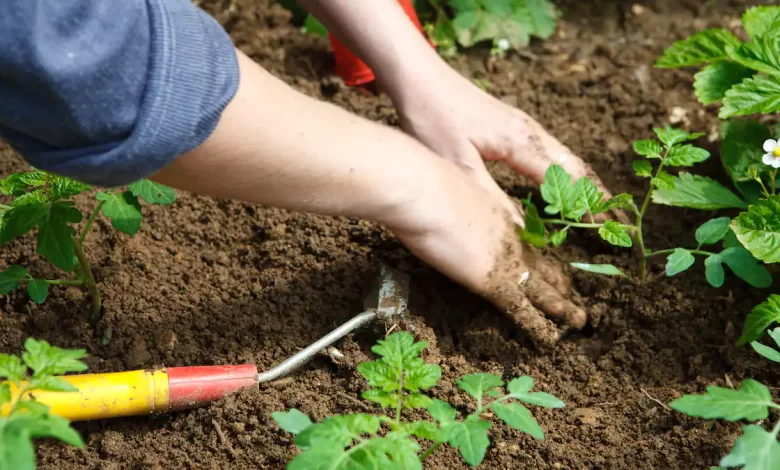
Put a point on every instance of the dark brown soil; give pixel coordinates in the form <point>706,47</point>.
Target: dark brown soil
<point>216,282</point>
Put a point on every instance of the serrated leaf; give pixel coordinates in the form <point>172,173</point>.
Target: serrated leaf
<point>680,260</point>
<point>51,384</point>
<point>559,236</point>
<point>700,48</point>
<point>379,375</point>
<point>759,94</point>
<point>425,430</point>
<point>153,192</point>
<point>766,351</point>
<point>13,185</point>
<point>477,384</point>
<point>648,148</point>
<point>123,210</point>
<point>11,368</point>
<point>537,16</point>
<point>606,269</point>
<point>339,430</point>
<point>521,384</point>
<point>756,449</point>
<point>421,376</point>
<point>38,290</point>
<point>11,276</point>
<point>615,234</point>
<point>45,359</point>
<point>685,156</point>
<point>713,230</point>
<point>663,180</point>
<point>758,20</point>
<point>758,229</point>
<point>759,319</point>
<point>643,169</point>
<point>470,438</point>
<point>381,397</point>
<point>33,178</point>
<point>55,236</point>
<point>17,221</point>
<point>711,83</point>
<point>561,195</point>
<point>590,194</point>
<point>741,152</point>
<point>293,421</point>
<point>697,192</point>
<point>414,401</point>
<point>671,136</point>
<point>744,265</point>
<point>519,417</point>
<point>621,201</point>
<point>64,188</point>
<point>713,271</point>
<point>441,411</point>
<point>751,402</point>
<point>760,54</point>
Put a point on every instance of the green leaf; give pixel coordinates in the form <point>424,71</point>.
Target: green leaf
<point>11,277</point>
<point>711,83</point>
<point>17,221</point>
<point>5,393</point>
<point>713,231</point>
<point>470,438</point>
<point>621,201</point>
<point>685,155</point>
<point>744,265</point>
<point>11,368</point>
<point>759,54</point>
<point>421,376</point>
<point>730,240</point>
<point>663,180</point>
<point>312,25</point>
<point>680,260</point>
<point>534,231</point>
<point>648,148</point>
<point>697,192</point>
<point>615,234</point>
<point>477,384</point>
<point>756,449</point>
<point>399,348</point>
<point>755,95</point>
<point>758,20</point>
<point>339,430</point>
<point>414,401</point>
<point>559,236</point>
<point>379,375</point>
<point>381,397</point>
<point>42,425</point>
<point>751,402</point>
<point>606,269</point>
<point>561,195</point>
<point>643,169</point>
<point>34,178</point>
<point>758,229</point>
<point>51,384</point>
<point>542,399</point>
<point>13,184</point>
<point>700,48</point>
<point>64,188</point>
<point>55,237</point>
<point>153,192</point>
<point>537,16</point>
<point>742,150</point>
<point>765,351</point>
<point>293,421</point>
<point>671,136</point>
<point>441,411</point>
<point>759,319</point>
<point>45,359</point>
<point>521,384</point>
<point>519,417</point>
<point>424,430</point>
<point>320,458</point>
<point>38,289</point>
<point>123,209</point>
<point>17,450</point>
<point>713,270</point>
<point>590,195</point>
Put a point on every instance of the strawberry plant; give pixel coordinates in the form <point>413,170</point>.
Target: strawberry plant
<point>45,201</point>
<point>397,381</point>
<point>23,419</point>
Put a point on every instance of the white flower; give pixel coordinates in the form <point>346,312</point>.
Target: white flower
<point>503,44</point>
<point>772,155</point>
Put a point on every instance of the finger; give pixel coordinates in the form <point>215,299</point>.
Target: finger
<point>549,301</point>
<point>529,319</point>
<point>548,270</point>
<point>476,170</point>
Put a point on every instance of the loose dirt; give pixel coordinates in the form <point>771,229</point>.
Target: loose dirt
<point>217,282</point>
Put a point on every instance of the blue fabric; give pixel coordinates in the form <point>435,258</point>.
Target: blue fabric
<point>110,91</point>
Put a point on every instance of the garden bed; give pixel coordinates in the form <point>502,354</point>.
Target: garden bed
<point>217,282</point>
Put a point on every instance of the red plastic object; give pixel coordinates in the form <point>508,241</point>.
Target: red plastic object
<point>189,387</point>
<point>349,67</point>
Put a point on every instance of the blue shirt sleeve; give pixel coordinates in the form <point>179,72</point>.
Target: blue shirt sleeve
<point>110,91</point>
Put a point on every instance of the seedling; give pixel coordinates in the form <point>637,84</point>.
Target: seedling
<point>397,381</point>
<point>45,201</point>
<point>23,419</point>
<point>577,203</point>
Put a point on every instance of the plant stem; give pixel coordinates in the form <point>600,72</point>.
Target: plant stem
<point>89,282</point>
<point>78,282</point>
<point>429,451</point>
<point>640,241</point>
<point>776,429</point>
<point>666,252</point>
<point>774,175</point>
<point>90,220</point>
<point>581,225</point>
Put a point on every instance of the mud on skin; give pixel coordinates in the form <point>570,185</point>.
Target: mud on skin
<point>217,282</point>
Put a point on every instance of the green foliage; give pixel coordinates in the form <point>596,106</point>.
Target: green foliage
<point>758,229</point>
<point>28,419</point>
<point>756,449</point>
<point>606,269</point>
<point>741,154</point>
<point>45,201</point>
<point>396,380</point>
<point>697,192</point>
<point>760,318</point>
<point>680,260</point>
<point>766,351</point>
<point>743,76</point>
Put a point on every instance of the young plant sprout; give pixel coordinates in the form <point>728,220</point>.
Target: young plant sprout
<point>577,203</point>
<point>397,381</point>
<point>45,201</point>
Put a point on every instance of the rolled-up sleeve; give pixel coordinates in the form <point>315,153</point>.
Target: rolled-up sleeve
<point>111,91</point>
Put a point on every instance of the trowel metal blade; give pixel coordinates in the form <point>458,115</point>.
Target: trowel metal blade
<point>389,294</point>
